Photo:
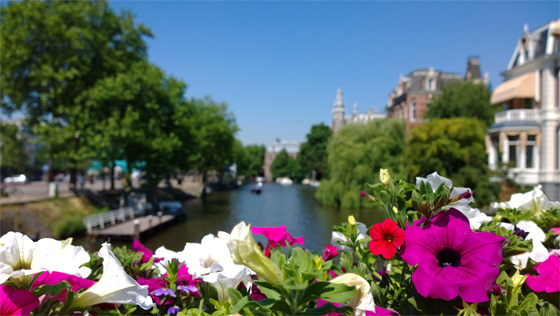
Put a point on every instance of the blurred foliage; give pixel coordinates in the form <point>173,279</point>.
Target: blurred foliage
<point>356,153</point>
<point>12,149</point>
<point>312,156</point>
<point>454,148</point>
<point>80,74</point>
<point>463,99</point>
<point>286,166</point>
<point>250,159</point>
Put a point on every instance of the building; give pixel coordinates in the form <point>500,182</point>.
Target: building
<point>291,147</point>
<point>410,98</point>
<point>525,135</point>
<point>339,118</point>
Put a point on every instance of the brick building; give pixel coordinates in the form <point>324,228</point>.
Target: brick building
<point>410,98</point>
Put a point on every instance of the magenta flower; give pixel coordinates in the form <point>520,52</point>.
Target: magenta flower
<point>147,254</point>
<point>276,236</point>
<point>153,285</point>
<point>16,302</point>
<point>329,252</point>
<point>548,279</point>
<point>51,278</point>
<point>452,259</point>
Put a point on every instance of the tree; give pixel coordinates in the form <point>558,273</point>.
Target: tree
<point>455,149</point>
<point>285,166</point>
<point>313,153</point>
<point>149,122</point>
<point>52,53</point>
<point>463,99</point>
<point>355,155</point>
<point>250,160</point>
<point>12,149</point>
<point>215,136</point>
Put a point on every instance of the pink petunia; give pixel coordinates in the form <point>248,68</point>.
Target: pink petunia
<point>548,279</point>
<point>16,302</point>
<point>329,252</point>
<point>452,259</point>
<point>147,254</point>
<point>386,237</point>
<point>55,277</point>
<point>276,236</point>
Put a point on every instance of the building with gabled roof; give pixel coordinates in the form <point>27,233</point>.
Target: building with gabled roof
<point>412,95</point>
<point>526,135</point>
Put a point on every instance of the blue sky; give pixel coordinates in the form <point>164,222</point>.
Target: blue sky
<point>278,64</point>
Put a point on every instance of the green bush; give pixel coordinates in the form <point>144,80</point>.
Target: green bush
<point>68,227</point>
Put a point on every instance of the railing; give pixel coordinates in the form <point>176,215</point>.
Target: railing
<point>517,115</point>
<point>100,221</point>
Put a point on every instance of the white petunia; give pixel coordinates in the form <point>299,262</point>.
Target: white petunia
<point>19,256</point>
<point>167,256</point>
<point>211,252</point>
<point>231,275</point>
<point>434,179</point>
<point>362,302</point>
<point>539,253</point>
<point>115,286</point>
<point>337,238</point>
<point>534,200</point>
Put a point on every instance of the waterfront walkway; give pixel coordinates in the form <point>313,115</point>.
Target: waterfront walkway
<point>134,229</point>
<point>38,191</point>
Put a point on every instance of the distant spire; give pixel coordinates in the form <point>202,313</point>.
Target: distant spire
<point>339,103</point>
<point>355,110</point>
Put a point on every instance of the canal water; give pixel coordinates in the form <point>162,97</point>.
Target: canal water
<point>294,206</point>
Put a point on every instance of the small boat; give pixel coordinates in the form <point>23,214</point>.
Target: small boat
<point>257,188</point>
<point>284,181</point>
<point>314,183</point>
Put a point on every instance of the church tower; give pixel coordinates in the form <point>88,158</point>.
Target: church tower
<point>338,112</point>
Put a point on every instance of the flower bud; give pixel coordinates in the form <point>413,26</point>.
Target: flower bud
<point>385,177</point>
<point>351,220</point>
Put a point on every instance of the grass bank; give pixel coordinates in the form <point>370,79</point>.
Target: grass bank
<point>54,218</point>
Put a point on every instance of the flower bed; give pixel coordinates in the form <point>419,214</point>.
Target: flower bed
<point>433,254</point>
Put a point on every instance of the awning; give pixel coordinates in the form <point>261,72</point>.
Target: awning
<point>517,88</point>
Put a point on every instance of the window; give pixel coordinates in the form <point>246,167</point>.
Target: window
<point>513,150</point>
<point>413,111</point>
<point>530,148</point>
<point>430,84</point>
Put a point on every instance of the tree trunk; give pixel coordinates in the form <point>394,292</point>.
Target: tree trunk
<point>112,174</point>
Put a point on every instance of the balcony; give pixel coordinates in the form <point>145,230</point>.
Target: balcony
<point>516,116</point>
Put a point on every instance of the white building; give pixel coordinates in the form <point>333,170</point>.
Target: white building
<point>526,134</point>
<point>339,118</point>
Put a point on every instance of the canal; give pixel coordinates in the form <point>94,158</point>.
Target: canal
<point>293,206</point>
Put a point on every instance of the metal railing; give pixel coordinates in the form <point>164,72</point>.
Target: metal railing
<point>102,220</point>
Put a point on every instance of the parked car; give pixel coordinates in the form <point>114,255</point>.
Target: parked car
<point>17,179</point>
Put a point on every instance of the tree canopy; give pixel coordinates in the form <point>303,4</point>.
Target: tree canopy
<point>313,153</point>
<point>355,155</point>
<point>463,99</point>
<point>250,160</point>
<point>285,166</point>
<point>80,74</point>
<point>12,149</point>
<point>455,149</point>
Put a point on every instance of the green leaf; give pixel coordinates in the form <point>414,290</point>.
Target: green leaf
<point>331,292</point>
<point>269,290</point>
<point>234,294</point>
<point>53,289</point>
